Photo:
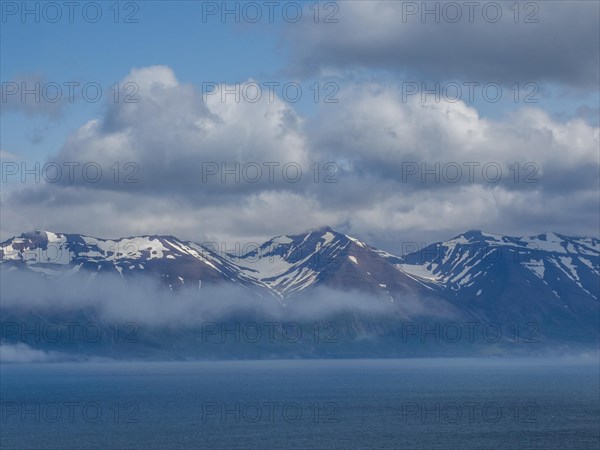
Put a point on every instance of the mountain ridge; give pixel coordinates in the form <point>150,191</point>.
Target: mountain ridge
<point>287,264</point>
<point>550,280</point>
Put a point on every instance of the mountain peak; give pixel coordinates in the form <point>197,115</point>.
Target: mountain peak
<point>472,234</point>
<point>42,235</point>
<point>550,236</point>
<point>477,236</point>
<point>323,229</point>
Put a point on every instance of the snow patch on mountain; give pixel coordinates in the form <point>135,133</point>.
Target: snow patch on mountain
<point>536,266</point>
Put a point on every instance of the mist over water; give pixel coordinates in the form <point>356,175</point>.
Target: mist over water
<point>148,302</point>
<point>104,316</point>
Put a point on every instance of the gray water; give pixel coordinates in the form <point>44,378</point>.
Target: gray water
<point>415,403</point>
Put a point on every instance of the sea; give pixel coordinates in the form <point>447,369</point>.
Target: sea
<point>438,403</point>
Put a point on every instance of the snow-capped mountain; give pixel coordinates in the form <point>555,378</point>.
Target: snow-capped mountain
<point>470,261</point>
<point>173,260</point>
<point>473,264</point>
<point>550,280</point>
<point>281,267</point>
<point>288,265</point>
<point>488,274</point>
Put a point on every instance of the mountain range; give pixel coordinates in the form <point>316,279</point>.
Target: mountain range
<point>550,280</point>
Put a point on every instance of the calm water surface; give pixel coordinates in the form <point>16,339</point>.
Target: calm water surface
<point>417,403</point>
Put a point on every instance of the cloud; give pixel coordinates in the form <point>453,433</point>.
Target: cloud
<point>9,156</point>
<point>374,138</point>
<point>33,95</point>
<point>23,353</point>
<point>180,136</point>
<point>378,132</point>
<point>146,302</point>
<point>535,42</point>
